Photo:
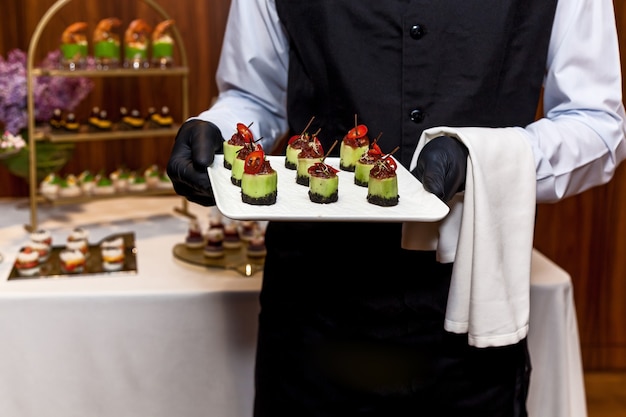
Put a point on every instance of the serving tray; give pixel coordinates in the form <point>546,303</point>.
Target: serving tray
<point>51,268</point>
<point>293,202</point>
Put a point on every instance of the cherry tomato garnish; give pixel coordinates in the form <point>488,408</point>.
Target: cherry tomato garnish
<point>357,131</point>
<point>254,162</point>
<point>293,139</point>
<point>391,163</point>
<point>374,150</point>
<point>245,132</point>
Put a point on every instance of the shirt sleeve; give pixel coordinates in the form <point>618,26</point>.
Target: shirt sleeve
<point>579,142</point>
<point>252,73</point>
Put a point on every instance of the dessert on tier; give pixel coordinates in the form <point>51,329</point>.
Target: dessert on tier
<point>259,182</point>
<point>112,258</point>
<point>382,187</point>
<point>232,240</point>
<point>354,144</point>
<point>106,43</point>
<point>256,246</point>
<point>194,239</point>
<point>214,247</point>
<point>163,45</point>
<point>136,40</point>
<point>74,46</point>
<point>162,119</point>
<point>72,261</point>
<point>27,262</point>
<point>237,141</point>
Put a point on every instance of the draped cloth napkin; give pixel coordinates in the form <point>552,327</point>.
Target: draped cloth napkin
<point>488,234</point>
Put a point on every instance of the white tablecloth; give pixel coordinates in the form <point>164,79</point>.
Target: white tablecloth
<point>178,340</point>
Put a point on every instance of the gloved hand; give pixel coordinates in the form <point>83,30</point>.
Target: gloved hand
<point>194,149</point>
<point>441,167</point>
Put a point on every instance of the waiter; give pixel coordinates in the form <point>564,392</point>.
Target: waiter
<point>352,324</point>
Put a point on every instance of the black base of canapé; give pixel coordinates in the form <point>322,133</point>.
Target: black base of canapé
<point>235,181</point>
<point>290,165</point>
<point>227,165</point>
<point>303,180</point>
<point>360,183</point>
<point>348,168</point>
<point>381,201</point>
<point>266,200</point>
<point>322,199</point>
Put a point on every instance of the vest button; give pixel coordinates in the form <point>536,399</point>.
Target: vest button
<point>417,116</point>
<point>417,31</point>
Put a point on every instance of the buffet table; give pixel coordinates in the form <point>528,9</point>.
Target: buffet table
<point>175,339</point>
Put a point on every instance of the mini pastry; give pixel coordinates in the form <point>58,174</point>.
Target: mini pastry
<point>164,183</point>
<point>232,240</point>
<point>69,187</point>
<point>112,258</point>
<point>27,262</point>
<point>42,250</point>
<point>78,233</point>
<point>50,185</point>
<point>72,261</point>
<point>152,174</point>
<point>136,40</point>
<point>120,179</point>
<point>71,124</point>
<point>104,186</point>
<point>113,243</point>
<point>56,121</point>
<point>137,183</point>
<point>248,229</point>
<point>134,120</point>
<point>79,245</point>
<point>194,239</point>
<point>162,119</point>
<point>214,247</point>
<point>106,44</point>
<point>41,236</point>
<point>87,182</point>
<point>162,45</point>
<point>256,246</point>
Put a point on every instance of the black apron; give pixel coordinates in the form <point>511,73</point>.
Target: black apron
<point>350,323</point>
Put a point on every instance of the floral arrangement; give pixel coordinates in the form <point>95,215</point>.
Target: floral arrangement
<point>10,143</point>
<point>49,93</point>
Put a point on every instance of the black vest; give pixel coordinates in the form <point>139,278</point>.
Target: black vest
<point>403,66</point>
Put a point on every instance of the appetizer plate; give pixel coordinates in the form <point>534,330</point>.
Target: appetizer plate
<point>293,203</point>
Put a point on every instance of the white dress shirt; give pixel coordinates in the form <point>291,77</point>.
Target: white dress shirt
<point>576,146</point>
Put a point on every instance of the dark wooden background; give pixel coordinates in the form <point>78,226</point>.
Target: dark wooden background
<point>585,234</point>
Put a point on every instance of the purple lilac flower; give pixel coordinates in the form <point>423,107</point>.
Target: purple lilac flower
<point>49,93</point>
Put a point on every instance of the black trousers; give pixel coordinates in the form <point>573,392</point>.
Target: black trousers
<point>352,325</point>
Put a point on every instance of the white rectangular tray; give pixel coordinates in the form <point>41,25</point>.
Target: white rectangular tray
<point>293,203</point>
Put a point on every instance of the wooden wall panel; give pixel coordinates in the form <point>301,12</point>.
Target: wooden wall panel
<point>585,234</point>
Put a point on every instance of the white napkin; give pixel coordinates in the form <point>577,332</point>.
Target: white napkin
<point>488,234</point>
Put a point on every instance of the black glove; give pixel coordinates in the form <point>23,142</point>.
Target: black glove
<point>194,148</point>
<point>441,167</point>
